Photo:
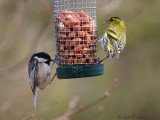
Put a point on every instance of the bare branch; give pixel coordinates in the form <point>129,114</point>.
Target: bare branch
<point>67,115</point>
<point>99,110</point>
<point>104,59</point>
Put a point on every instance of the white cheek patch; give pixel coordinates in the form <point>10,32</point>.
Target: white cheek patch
<point>40,59</point>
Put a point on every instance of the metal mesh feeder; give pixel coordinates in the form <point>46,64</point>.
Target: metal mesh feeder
<point>75,33</point>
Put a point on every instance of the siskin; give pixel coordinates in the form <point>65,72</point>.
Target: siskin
<point>114,39</point>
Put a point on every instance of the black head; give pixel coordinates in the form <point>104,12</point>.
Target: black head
<point>113,19</point>
<point>46,57</point>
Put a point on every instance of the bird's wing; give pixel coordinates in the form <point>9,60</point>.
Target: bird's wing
<point>112,34</point>
<point>104,40</point>
<point>32,71</point>
<point>116,50</point>
<point>114,41</point>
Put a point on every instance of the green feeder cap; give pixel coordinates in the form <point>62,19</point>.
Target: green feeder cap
<point>80,71</point>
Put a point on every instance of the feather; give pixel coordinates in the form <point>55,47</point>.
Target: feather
<point>32,71</point>
<point>35,98</point>
<point>116,51</point>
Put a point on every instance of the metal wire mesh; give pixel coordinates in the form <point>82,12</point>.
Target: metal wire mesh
<point>75,32</point>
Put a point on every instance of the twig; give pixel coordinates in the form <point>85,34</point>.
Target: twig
<point>81,108</point>
<point>54,61</point>
<point>104,59</point>
<point>67,115</point>
<point>96,114</point>
<point>73,102</point>
<point>53,77</point>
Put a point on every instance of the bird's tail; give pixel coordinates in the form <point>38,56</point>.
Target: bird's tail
<point>34,99</point>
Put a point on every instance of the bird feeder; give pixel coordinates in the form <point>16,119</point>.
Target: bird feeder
<point>76,36</point>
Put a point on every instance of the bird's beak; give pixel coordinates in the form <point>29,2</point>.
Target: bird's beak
<point>107,21</point>
<point>52,60</point>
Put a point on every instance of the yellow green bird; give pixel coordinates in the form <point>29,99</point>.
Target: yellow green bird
<point>114,39</point>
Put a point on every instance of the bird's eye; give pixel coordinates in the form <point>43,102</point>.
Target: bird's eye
<point>111,19</point>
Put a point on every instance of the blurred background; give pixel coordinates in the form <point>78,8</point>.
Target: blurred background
<point>26,27</point>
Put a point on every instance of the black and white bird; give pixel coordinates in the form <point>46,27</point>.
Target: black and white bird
<point>39,73</point>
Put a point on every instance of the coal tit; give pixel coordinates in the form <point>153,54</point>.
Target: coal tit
<point>39,72</point>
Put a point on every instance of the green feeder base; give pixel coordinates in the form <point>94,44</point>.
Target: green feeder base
<point>80,71</point>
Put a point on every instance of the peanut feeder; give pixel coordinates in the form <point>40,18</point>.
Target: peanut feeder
<point>76,36</point>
